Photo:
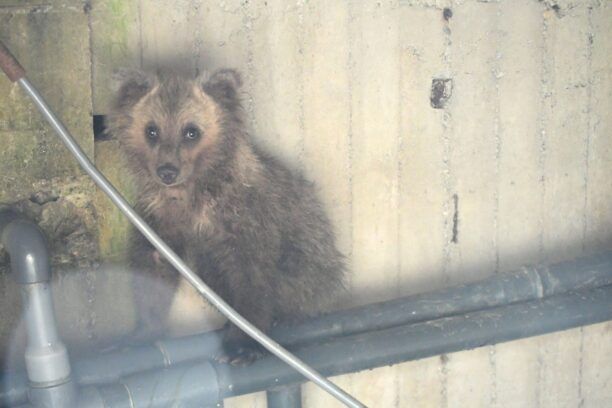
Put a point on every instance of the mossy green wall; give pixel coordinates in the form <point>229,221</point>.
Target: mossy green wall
<point>52,43</point>
<point>38,176</point>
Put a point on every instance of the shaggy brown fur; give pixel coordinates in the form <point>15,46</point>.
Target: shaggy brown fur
<point>252,229</point>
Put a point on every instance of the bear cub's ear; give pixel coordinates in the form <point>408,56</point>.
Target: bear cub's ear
<point>222,85</point>
<point>133,84</point>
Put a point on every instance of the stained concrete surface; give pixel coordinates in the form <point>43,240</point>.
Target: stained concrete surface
<point>512,169</point>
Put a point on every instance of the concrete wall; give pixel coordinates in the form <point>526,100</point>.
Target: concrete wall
<point>512,169</point>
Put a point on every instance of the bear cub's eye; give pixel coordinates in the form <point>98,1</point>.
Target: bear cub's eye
<point>152,133</point>
<point>191,133</point>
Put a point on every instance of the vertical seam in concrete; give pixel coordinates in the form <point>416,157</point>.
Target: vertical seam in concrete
<point>398,194</point>
<point>399,150</point>
<point>544,97</point>
<point>249,65</point>
<point>301,80</point>
<point>589,132</point>
<point>195,6</point>
<point>540,374</point>
<point>447,129</point>
<point>349,65</point>
<point>396,386</point>
<point>446,152</point>
<point>141,45</point>
<point>543,123</point>
<point>91,62</point>
<point>89,273</point>
<point>497,135</point>
<point>444,381</point>
<point>586,180</point>
<point>493,385</point>
<point>580,369</point>
<point>92,66</point>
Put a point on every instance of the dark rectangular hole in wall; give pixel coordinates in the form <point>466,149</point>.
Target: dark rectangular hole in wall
<point>99,128</point>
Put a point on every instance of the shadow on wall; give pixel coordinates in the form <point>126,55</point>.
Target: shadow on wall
<point>465,272</point>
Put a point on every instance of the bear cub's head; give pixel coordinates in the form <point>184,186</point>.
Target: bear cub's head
<point>176,129</point>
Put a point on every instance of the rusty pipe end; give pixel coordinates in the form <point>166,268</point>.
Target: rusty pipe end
<point>9,64</point>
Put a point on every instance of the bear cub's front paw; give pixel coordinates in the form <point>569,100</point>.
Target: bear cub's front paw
<point>239,349</point>
<point>241,354</point>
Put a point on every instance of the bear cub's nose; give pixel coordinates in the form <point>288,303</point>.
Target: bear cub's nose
<point>167,173</point>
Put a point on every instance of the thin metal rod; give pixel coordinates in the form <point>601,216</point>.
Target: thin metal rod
<point>177,262</point>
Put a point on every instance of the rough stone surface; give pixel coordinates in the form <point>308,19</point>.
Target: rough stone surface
<point>41,179</point>
<point>64,211</point>
<point>113,227</point>
<point>52,44</point>
<point>114,35</point>
<point>44,5</point>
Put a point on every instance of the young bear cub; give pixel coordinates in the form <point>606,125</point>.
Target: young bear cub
<point>252,229</point>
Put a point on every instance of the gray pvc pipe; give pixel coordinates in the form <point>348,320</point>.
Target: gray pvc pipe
<point>204,383</point>
<point>159,388</point>
<point>194,386</point>
<point>27,247</point>
<point>176,261</point>
<point>405,343</point>
<point>46,357</point>
<point>523,285</point>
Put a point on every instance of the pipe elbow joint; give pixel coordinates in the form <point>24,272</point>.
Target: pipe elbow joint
<point>27,248</point>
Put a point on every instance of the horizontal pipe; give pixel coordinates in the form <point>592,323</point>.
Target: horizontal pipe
<point>523,285</point>
<point>405,343</point>
<point>528,283</point>
<point>364,351</point>
<point>193,386</point>
<point>88,397</point>
<point>189,384</point>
